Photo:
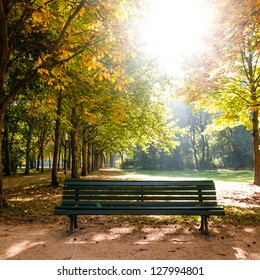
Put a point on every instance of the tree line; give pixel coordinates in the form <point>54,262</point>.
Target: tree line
<point>199,148</point>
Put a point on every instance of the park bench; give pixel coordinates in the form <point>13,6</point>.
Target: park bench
<point>90,197</point>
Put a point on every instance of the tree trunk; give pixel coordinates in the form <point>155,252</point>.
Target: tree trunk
<point>89,157</point>
<point>59,156</point>
<point>74,146</point>
<point>74,154</point>
<point>54,176</point>
<point>8,168</point>
<point>28,147</point>
<point>96,159</point>
<point>38,162</point>
<point>69,154</point>
<point>256,147</point>
<point>65,162</point>
<point>42,158</point>
<point>84,170</point>
<point>2,199</point>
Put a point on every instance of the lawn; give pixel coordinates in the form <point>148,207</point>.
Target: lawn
<point>223,175</point>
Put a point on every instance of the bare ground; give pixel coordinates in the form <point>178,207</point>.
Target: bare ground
<point>135,238</point>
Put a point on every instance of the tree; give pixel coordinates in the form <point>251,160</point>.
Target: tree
<point>225,76</point>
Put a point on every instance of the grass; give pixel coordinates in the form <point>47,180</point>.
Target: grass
<point>223,175</point>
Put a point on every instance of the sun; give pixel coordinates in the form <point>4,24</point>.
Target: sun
<point>172,29</point>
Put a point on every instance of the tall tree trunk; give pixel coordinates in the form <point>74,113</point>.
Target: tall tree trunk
<point>38,161</point>
<point>84,170</point>
<point>256,147</point>
<point>96,160</point>
<point>28,148</point>
<point>42,158</point>
<point>54,176</point>
<point>59,156</point>
<point>2,198</point>
<point>69,154</point>
<point>89,157</point>
<point>74,145</point>
<point>4,59</point>
<point>8,168</point>
<point>65,163</point>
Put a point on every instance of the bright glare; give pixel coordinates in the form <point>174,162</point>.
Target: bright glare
<point>172,29</point>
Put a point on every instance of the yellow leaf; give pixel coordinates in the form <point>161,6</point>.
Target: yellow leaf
<point>42,71</point>
<point>39,61</point>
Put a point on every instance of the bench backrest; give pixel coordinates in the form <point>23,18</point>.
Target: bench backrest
<point>192,193</point>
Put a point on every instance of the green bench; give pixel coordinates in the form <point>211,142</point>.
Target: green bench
<point>89,197</point>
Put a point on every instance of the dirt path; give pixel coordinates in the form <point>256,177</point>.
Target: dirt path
<point>101,239</point>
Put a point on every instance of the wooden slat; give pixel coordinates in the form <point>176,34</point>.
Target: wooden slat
<point>136,183</point>
<point>141,204</point>
<point>123,187</point>
<point>138,198</point>
<point>149,211</point>
<point>131,192</point>
<point>140,208</point>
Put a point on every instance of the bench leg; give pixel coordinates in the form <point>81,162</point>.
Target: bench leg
<point>75,221</point>
<point>204,225</point>
<point>206,229</point>
<point>72,224</point>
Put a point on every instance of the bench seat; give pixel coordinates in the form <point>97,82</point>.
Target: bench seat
<point>88,197</point>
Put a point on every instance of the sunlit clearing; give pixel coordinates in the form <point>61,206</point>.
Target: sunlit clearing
<point>172,29</point>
